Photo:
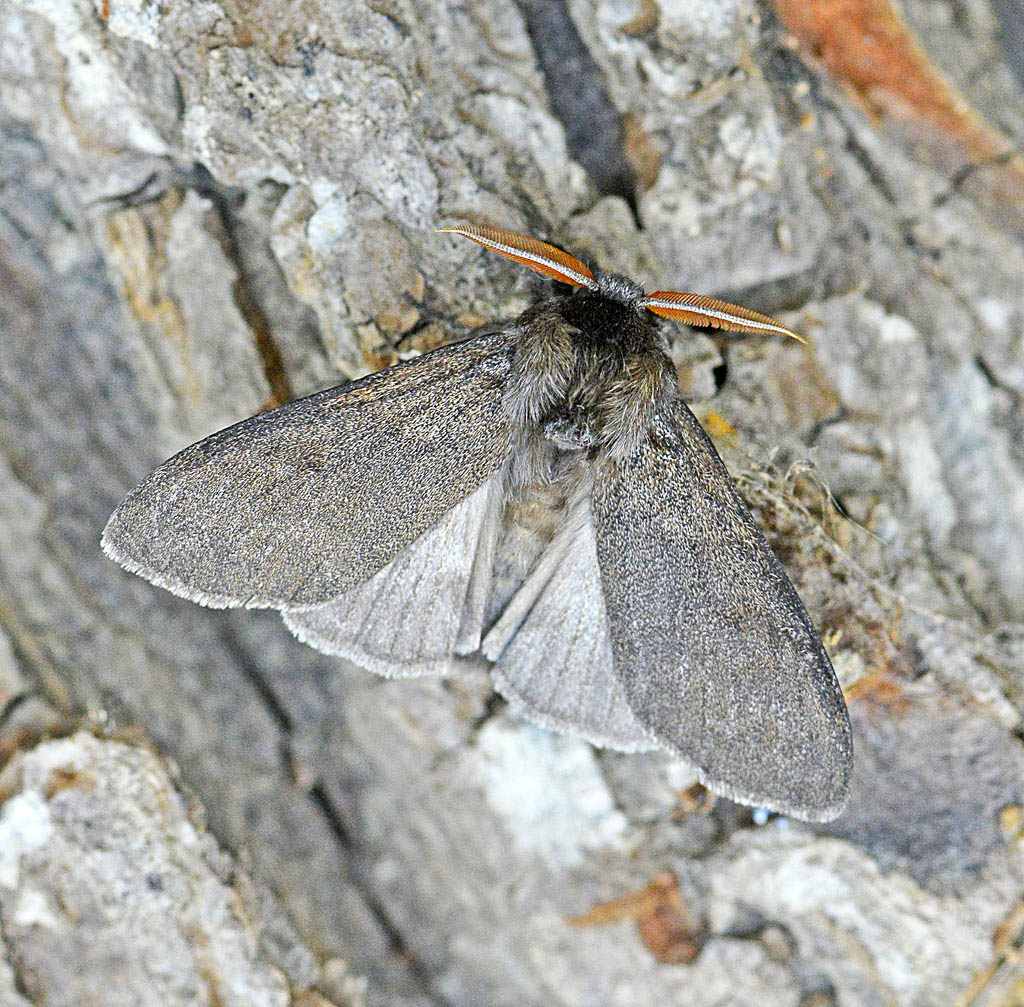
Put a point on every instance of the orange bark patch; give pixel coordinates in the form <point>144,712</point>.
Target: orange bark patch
<point>641,154</point>
<point>68,779</point>
<point>866,45</point>
<point>695,799</point>
<point>881,690</point>
<point>645,20</point>
<point>718,426</point>
<point>666,926</point>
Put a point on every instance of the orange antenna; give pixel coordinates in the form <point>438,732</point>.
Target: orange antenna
<point>696,309</point>
<point>536,255</point>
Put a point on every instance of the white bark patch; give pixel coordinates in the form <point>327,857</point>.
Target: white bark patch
<point>549,792</point>
<point>25,825</point>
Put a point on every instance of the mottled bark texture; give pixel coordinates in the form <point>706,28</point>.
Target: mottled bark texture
<point>207,207</point>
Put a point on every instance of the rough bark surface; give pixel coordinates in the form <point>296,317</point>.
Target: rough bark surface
<point>206,207</point>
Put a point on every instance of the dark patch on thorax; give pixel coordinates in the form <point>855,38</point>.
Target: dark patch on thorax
<point>608,326</point>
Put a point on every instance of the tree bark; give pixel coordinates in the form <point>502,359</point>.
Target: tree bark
<point>209,208</point>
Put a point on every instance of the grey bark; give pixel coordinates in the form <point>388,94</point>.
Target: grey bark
<point>207,206</point>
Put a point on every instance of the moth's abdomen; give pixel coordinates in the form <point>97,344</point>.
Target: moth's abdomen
<point>542,481</point>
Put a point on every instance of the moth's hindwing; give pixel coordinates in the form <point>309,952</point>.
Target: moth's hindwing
<point>427,604</point>
<point>714,648</point>
<point>552,649</point>
<point>296,506</point>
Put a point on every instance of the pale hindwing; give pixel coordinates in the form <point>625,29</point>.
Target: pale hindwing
<point>714,648</point>
<point>295,506</point>
<point>552,647</point>
<point>420,609</point>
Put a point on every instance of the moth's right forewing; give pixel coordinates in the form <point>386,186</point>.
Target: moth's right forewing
<point>295,506</point>
<point>714,648</point>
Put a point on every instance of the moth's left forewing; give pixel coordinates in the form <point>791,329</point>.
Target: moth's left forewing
<point>294,507</point>
<point>714,648</point>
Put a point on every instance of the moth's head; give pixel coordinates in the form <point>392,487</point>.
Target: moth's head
<point>620,288</point>
<point>694,309</point>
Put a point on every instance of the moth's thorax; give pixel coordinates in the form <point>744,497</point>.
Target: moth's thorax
<point>589,368</point>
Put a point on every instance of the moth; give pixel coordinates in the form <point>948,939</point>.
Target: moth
<point>538,492</point>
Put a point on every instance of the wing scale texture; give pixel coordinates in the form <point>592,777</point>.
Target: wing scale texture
<point>714,648</point>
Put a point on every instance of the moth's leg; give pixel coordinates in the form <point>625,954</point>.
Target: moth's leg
<point>573,431</point>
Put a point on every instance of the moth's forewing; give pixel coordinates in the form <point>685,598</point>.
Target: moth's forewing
<point>295,506</point>
<point>714,648</point>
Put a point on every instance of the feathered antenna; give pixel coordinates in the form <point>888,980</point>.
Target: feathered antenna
<point>536,255</point>
<point>709,312</point>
